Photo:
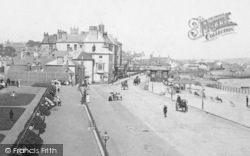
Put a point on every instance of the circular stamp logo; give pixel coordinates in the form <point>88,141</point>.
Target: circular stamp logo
<point>7,150</point>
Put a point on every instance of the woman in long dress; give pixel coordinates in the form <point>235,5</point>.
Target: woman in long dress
<point>87,98</point>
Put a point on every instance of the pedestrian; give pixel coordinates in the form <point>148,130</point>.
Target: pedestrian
<point>165,110</point>
<point>8,81</point>
<point>87,98</point>
<point>11,114</point>
<point>247,100</point>
<point>59,86</point>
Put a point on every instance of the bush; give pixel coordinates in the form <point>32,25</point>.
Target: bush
<point>31,141</point>
<point>38,124</point>
<point>44,111</point>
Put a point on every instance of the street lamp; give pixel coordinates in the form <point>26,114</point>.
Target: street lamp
<point>202,94</point>
<point>105,137</point>
<point>172,90</point>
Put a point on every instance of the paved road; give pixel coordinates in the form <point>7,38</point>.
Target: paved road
<point>69,126</point>
<point>136,126</point>
<point>238,113</point>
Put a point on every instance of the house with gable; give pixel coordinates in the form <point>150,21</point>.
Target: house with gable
<point>103,48</point>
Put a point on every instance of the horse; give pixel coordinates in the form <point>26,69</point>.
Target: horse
<point>124,85</point>
<point>196,94</point>
<point>181,103</point>
<point>218,99</point>
<point>137,80</point>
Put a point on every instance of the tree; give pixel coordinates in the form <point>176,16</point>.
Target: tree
<point>1,47</point>
<point>8,51</point>
<point>32,43</point>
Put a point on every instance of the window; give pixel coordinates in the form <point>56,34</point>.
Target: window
<point>93,48</point>
<point>158,73</point>
<point>165,74</point>
<point>75,46</point>
<point>80,45</point>
<point>153,74</point>
<point>100,56</point>
<point>68,46</point>
<point>100,66</point>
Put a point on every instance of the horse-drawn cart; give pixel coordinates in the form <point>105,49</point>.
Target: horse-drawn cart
<point>181,104</point>
<point>115,96</point>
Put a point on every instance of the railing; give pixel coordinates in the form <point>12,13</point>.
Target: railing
<point>92,121</point>
<point>243,90</point>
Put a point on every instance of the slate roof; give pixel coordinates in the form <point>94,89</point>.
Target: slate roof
<point>73,38</point>
<point>100,38</point>
<point>55,62</point>
<point>51,39</point>
<point>29,59</point>
<point>84,56</point>
<point>54,69</point>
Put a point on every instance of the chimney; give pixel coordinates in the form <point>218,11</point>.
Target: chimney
<point>74,30</point>
<point>101,28</point>
<point>64,34</point>
<point>93,33</point>
<point>58,34</point>
<point>45,34</point>
<point>55,35</point>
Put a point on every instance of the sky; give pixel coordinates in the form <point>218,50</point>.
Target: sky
<point>152,26</point>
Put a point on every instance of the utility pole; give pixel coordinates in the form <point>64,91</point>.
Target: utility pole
<point>202,97</point>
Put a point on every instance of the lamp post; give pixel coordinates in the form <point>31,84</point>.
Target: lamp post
<point>202,94</point>
<point>105,137</point>
<point>171,90</point>
<point>152,86</point>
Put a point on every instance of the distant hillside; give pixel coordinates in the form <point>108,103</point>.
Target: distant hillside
<point>237,60</point>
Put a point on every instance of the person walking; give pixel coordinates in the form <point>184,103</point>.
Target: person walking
<point>165,110</point>
<point>58,86</point>
<point>87,98</point>
<point>247,101</point>
<point>11,114</point>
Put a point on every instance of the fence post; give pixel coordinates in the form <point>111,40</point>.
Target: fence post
<point>28,78</point>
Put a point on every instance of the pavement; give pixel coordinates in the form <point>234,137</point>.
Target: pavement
<point>237,113</point>
<point>136,126</point>
<point>68,125</point>
<point>11,135</point>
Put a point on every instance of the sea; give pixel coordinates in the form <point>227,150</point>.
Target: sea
<point>235,82</point>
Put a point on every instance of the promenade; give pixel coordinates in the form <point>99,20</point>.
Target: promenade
<point>238,113</point>
<point>136,126</point>
<point>68,125</point>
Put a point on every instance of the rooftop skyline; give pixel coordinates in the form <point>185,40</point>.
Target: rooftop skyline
<point>150,26</point>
